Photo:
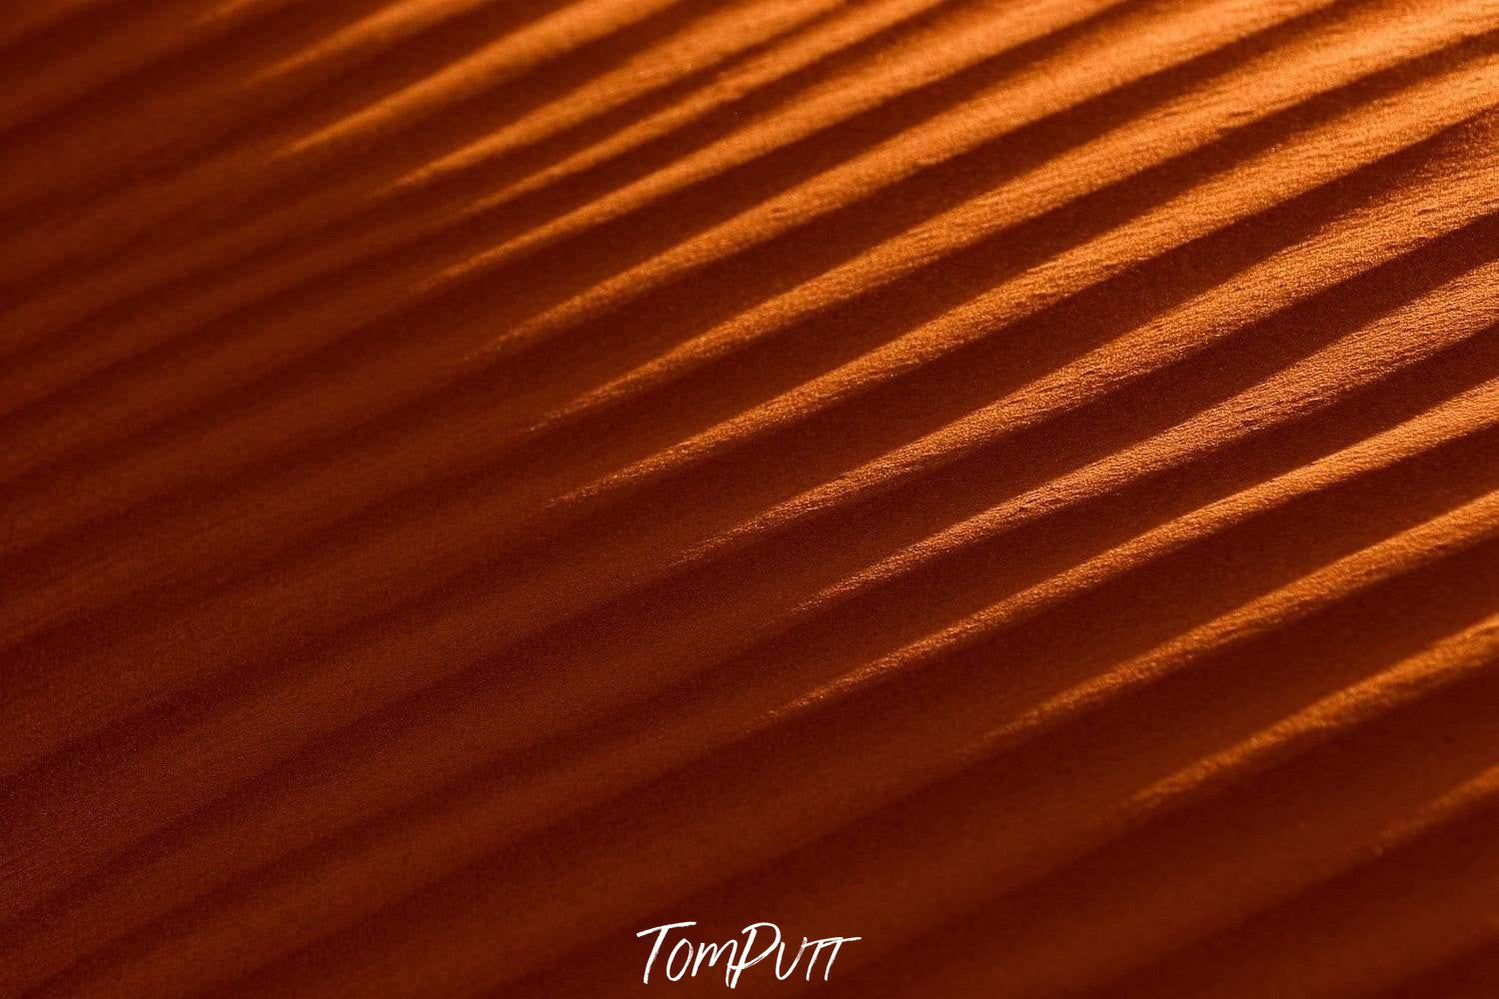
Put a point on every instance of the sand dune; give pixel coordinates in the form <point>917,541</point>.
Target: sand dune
<point>1014,482</point>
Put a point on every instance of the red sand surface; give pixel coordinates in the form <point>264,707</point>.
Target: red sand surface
<point>1016,482</point>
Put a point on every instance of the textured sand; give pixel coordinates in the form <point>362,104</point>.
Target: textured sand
<point>1016,481</point>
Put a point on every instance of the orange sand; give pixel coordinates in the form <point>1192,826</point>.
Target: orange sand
<point>1016,481</point>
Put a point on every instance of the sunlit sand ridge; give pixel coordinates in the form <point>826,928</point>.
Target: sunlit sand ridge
<point>1014,482</point>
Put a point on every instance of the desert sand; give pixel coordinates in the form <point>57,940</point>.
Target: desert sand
<point>1013,481</point>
